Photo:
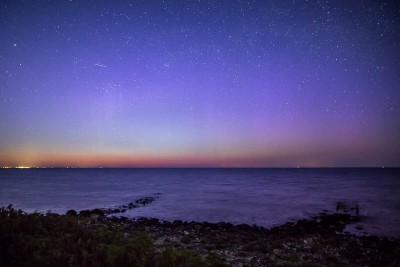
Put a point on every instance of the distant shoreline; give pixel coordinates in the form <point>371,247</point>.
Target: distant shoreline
<point>189,167</point>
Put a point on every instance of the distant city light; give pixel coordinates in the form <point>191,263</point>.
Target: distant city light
<point>17,167</point>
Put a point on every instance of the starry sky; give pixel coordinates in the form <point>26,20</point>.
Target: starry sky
<point>200,83</point>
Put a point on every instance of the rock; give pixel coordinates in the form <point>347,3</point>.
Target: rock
<point>336,222</point>
<point>84,213</point>
<point>98,212</point>
<point>244,227</point>
<point>71,213</point>
<point>177,222</point>
<point>355,218</point>
<point>124,219</point>
<point>154,221</point>
<point>142,219</point>
<point>166,223</point>
<point>144,201</point>
<point>94,214</point>
<point>224,225</point>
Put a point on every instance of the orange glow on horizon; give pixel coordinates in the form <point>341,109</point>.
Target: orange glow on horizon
<point>231,157</point>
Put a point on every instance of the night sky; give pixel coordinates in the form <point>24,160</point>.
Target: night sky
<point>200,83</point>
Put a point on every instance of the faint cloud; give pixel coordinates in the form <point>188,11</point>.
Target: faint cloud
<point>100,65</point>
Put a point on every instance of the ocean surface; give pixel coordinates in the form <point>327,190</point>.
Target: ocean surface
<point>265,197</point>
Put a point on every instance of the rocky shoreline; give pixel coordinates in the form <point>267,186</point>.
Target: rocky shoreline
<point>317,241</point>
<point>311,242</point>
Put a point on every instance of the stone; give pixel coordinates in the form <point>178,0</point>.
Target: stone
<point>71,213</point>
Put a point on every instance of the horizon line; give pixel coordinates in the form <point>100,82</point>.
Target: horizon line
<point>201,167</point>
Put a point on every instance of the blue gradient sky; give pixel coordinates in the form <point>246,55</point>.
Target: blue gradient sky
<point>200,83</point>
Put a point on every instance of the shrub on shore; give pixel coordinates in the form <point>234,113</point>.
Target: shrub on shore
<point>64,240</point>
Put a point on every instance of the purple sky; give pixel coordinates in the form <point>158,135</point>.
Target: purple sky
<point>200,83</point>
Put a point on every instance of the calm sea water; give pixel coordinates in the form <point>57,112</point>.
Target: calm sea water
<point>265,197</point>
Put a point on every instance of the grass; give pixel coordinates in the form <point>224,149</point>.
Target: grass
<point>64,240</point>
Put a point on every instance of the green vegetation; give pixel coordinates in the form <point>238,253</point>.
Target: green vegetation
<point>67,240</point>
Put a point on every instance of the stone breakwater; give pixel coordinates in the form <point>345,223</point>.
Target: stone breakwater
<point>317,241</point>
<point>119,209</point>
